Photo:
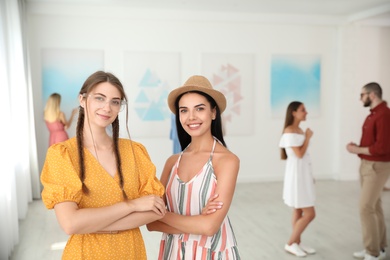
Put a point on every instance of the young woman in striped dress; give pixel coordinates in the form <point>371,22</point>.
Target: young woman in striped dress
<point>199,181</point>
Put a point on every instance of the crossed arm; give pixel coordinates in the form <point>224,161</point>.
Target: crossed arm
<point>209,222</point>
<point>120,216</point>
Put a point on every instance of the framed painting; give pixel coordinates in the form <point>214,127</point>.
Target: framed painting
<point>233,75</point>
<point>149,77</point>
<point>64,72</point>
<point>295,78</point>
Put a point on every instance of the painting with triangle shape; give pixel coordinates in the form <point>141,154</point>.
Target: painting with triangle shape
<point>149,77</point>
<point>233,74</point>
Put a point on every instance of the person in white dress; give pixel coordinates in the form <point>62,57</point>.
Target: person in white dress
<point>298,187</point>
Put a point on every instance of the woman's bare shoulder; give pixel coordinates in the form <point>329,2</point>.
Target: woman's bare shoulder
<point>224,154</point>
<point>292,130</point>
<point>61,117</point>
<point>172,160</point>
<point>289,130</point>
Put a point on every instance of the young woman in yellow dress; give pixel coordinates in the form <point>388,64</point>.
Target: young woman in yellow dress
<point>102,187</point>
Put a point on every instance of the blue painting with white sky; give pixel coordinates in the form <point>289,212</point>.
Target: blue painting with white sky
<point>295,78</point>
<point>64,72</point>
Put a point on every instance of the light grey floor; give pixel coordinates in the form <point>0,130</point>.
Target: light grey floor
<point>259,217</point>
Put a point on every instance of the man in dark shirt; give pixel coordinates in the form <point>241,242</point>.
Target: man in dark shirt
<point>374,152</point>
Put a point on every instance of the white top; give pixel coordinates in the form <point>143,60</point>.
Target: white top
<point>298,188</point>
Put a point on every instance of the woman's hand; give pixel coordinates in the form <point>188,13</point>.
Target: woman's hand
<point>212,205</point>
<point>149,203</point>
<point>75,111</point>
<point>308,133</point>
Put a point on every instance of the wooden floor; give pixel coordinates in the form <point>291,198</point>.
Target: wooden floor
<point>260,219</point>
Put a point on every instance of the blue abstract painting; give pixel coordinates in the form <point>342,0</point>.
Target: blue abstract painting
<point>148,105</point>
<point>149,77</point>
<point>64,72</point>
<point>295,78</point>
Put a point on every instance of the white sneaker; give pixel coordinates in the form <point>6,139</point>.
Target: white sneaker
<point>307,249</point>
<point>295,250</point>
<point>359,254</point>
<point>370,257</point>
<point>362,254</point>
<point>382,255</point>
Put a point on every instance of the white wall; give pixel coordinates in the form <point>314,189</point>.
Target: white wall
<point>365,58</point>
<point>351,56</point>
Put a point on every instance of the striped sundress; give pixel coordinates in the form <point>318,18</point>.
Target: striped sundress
<point>189,198</point>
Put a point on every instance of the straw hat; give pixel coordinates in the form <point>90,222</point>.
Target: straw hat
<point>197,83</point>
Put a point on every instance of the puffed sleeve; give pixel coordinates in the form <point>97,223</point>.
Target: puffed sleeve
<point>149,183</point>
<point>60,177</point>
<point>291,140</point>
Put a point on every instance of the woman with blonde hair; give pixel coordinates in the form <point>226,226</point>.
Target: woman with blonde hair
<point>56,120</point>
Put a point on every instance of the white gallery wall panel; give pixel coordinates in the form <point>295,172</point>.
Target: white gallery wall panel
<point>139,44</point>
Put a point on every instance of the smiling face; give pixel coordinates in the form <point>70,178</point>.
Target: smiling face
<point>196,114</point>
<point>102,104</point>
<point>300,114</point>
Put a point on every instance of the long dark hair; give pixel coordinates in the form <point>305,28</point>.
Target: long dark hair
<point>293,106</point>
<point>90,83</point>
<point>216,124</point>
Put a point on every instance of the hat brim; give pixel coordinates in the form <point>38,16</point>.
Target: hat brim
<point>218,97</point>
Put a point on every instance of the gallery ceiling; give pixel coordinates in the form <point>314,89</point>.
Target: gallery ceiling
<point>353,10</point>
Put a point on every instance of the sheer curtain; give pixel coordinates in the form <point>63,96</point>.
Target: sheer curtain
<point>19,177</point>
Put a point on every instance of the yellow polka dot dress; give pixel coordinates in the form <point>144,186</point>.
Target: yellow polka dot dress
<point>60,178</point>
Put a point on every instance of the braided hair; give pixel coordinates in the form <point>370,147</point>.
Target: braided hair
<point>91,82</point>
